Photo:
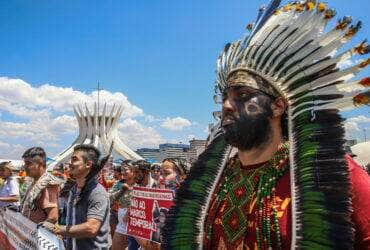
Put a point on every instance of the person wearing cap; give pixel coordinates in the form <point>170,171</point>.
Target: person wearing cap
<point>9,192</point>
<point>156,171</point>
<point>142,174</point>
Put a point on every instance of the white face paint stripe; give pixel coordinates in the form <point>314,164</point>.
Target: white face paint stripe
<point>253,102</point>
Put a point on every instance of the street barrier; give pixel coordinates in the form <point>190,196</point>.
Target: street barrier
<point>18,232</point>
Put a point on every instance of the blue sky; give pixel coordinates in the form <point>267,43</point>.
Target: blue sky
<point>159,54</point>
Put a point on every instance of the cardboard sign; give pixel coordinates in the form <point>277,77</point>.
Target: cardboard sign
<point>147,214</point>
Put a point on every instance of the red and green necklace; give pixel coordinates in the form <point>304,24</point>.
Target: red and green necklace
<point>257,181</point>
<point>266,209</point>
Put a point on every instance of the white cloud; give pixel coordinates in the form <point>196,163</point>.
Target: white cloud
<point>18,97</point>
<point>136,135</point>
<point>351,126</point>
<point>191,137</point>
<point>39,131</point>
<point>345,64</point>
<point>42,116</point>
<point>11,151</point>
<point>64,124</point>
<point>21,110</point>
<point>152,118</point>
<point>176,124</point>
<point>16,130</point>
<point>348,63</point>
<point>354,126</point>
<point>206,129</point>
<point>359,119</point>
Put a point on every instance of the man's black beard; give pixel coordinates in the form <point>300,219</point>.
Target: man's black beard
<point>249,131</point>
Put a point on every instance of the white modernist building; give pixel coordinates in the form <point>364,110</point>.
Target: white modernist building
<point>362,152</point>
<point>98,128</point>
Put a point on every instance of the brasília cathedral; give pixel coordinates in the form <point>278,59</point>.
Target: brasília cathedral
<point>98,128</point>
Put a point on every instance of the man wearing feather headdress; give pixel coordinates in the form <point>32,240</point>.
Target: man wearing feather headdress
<point>275,176</point>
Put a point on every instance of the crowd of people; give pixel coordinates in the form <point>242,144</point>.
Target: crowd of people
<point>274,174</point>
<point>86,200</point>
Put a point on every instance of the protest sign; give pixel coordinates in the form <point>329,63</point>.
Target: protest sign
<point>148,211</point>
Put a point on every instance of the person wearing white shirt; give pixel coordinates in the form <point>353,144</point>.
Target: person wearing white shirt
<point>9,192</point>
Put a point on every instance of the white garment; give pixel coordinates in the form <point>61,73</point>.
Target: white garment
<point>121,227</point>
<point>152,183</point>
<point>10,188</point>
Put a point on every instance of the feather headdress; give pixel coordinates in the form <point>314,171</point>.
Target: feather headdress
<point>290,49</point>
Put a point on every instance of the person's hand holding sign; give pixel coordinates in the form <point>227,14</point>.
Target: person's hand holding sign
<point>125,187</point>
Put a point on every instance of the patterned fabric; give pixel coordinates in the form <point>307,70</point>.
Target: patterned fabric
<point>34,190</point>
<point>125,199</point>
<point>360,183</point>
<point>47,199</point>
<point>24,183</point>
<point>232,211</point>
<point>117,186</point>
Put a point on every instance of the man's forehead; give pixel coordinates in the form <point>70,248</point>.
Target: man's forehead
<point>77,153</point>
<point>167,164</point>
<point>28,159</point>
<point>240,78</point>
<point>243,88</point>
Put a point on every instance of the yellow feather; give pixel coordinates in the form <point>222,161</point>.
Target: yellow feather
<point>310,6</point>
<point>321,7</point>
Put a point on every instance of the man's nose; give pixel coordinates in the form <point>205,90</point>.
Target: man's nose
<point>227,105</point>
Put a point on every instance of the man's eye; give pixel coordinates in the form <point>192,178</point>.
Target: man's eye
<point>244,95</point>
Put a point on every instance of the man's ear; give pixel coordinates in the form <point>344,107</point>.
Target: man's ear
<point>89,164</point>
<point>278,107</point>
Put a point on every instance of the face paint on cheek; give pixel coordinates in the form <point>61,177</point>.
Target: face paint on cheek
<point>252,106</point>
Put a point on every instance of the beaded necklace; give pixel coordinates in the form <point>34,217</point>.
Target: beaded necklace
<point>266,201</point>
<point>259,180</point>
